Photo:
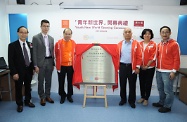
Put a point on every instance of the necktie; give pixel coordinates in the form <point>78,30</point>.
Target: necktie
<point>26,55</point>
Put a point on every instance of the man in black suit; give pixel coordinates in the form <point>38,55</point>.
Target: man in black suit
<point>21,67</point>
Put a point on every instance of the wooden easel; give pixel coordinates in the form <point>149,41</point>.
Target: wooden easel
<point>94,93</point>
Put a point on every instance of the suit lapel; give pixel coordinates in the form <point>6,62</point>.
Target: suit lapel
<point>42,39</point>
<point>49,39</point>
<point>19,49</point>
<point>51,45</point>
<point>30,46</point>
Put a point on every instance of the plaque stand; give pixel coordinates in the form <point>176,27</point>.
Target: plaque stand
<point>94,93</point>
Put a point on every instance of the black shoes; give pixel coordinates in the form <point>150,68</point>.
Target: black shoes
<point>164,110</point>
<point>70,99</point>
<point>157,105</point>
<point>62,100</point>
<point>161,109</point>
<point>122,102</point>
<point>132,105</point>
<point>19,109</point>
<point>29,104</point>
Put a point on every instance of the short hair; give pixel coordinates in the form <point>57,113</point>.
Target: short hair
<point>22,27</point>
<point>67,29</point>
<point>165,27</point>
<point>44,21</point>
<point>144,31</point>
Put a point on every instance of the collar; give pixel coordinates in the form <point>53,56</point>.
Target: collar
<point>44,35</point>
<point>128,42</point>
<point>21,42</point>
<point>165,42</point>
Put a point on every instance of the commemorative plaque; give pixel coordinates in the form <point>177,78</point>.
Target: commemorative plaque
<point>97,66</point>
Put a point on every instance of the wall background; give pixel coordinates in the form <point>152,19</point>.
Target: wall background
<point>154,14</point>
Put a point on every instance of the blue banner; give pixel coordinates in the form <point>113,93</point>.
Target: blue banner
<point>182,34</point>
<point>15,21</point>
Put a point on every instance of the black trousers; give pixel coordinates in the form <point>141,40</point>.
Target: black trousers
<point>125,72</point>
<point>146,79</point>
<point>26,78</point>
<point>61,80</point>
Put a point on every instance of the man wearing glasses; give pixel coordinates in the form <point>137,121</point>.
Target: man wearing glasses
<point>43,59</point>
<point>168,62</point>
<point>21,67</point>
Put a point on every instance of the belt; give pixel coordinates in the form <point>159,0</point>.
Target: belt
<point>48,57</point>
<point>126,64</point>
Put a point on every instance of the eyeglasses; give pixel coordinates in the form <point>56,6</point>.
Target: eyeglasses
<point>165,32</point>
<point>23,32</point>
<point>45,26</point>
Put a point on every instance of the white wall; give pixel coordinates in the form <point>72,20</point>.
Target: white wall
<point>154,13</point>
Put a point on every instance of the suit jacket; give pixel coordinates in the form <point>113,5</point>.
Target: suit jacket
<point>16,59</point>
<point>39,49</point>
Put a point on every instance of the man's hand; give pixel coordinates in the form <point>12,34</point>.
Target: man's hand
<point>172,75</point>
<point>137,70</point>
<point>16,77</point>
<point>144,67</point>
<point>37,70</point>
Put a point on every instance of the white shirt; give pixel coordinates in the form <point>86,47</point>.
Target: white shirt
<point>126,52</point>
<point>46,41</point>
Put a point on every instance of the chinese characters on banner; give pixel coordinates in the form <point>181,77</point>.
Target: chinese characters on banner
<point>97,25</point>
<point>101,25</point>
<point>99,30</point>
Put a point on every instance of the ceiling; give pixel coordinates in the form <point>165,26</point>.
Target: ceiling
<point>98,2</point>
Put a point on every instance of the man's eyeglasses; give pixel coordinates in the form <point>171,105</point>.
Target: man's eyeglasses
<point>23,32</point>
<point>165,32</point>
<point>45,26</point>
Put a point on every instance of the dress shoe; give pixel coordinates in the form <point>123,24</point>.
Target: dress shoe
<point>70,99</point>
<point>19,108</point>
<point>157,105</point>
<point>145,102</point>
<point>48,99</point>
<point>140,100</point>
<point>29,104</point>
<point>62,100</point>
<point>42,102</point>
<point>132,105</point>
<point>164,110</point>
<point>122,102</point>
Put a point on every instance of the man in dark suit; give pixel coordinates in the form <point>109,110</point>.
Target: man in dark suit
<point>43,59</point>
<point>21,67</point>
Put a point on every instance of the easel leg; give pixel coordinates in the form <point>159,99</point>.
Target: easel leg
<point>105,97</point>
<point>85,93</point>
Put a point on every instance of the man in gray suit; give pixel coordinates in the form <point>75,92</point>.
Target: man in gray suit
<point>43,59</point>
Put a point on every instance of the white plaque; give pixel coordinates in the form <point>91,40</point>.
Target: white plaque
<point>97,66</point>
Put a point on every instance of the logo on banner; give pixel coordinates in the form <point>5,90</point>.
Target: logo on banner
<point>65,23</point>
<point>138,23</point>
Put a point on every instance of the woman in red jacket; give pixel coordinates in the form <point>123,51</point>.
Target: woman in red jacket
<point>147,69</point>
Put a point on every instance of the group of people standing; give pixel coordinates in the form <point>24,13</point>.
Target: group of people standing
<point>25,58</point>
<point>42,55</point>
<point>142,58</point>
